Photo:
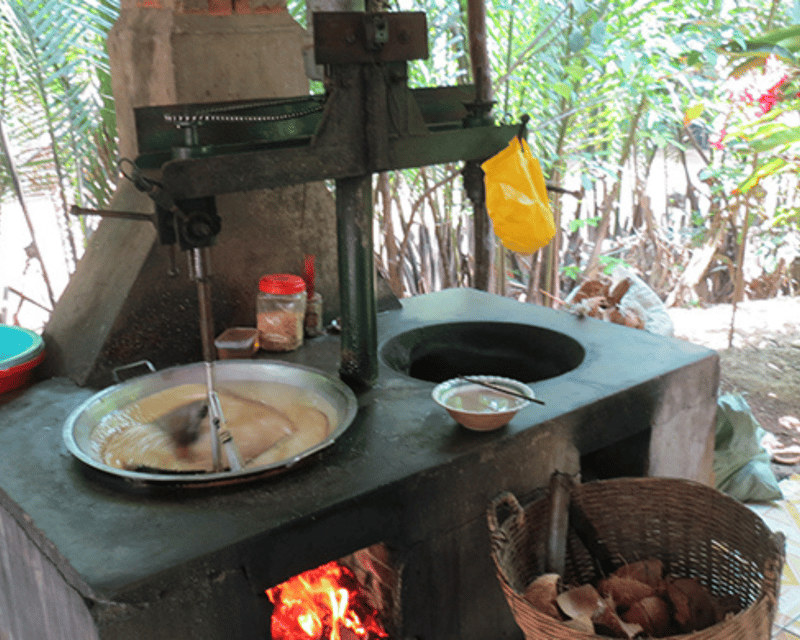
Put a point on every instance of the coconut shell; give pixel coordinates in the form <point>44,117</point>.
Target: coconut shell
<point>624,591</point>
<point>619,291</point>
<point>580,602</point>
<point>692,603</point>
<point>653,614</point>
<point>584,624</point>
<point>542,592</point>
<point>608,619</point>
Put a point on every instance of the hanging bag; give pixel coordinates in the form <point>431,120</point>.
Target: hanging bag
<point>516,198</point>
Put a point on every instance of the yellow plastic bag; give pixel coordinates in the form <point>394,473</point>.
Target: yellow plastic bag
<point>516,198</point>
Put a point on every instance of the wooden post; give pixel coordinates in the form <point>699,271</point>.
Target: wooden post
<point>479,58</point>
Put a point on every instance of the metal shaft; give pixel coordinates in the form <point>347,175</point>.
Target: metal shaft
<point>200,270</point>
<point>214,412</point>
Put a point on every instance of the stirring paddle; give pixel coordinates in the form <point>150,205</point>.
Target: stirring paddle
<point>501,389</point>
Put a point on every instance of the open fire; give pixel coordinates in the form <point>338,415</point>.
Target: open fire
<point>326,603</point>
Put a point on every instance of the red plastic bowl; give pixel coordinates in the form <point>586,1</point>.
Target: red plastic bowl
<point>16,377</point>
<point>21,351</point>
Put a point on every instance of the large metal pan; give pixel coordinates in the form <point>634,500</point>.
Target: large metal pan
<point>332,393</point>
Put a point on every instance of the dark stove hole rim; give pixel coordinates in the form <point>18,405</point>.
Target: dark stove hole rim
<point>438,352</point>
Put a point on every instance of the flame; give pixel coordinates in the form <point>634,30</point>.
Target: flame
<point>318,604</point>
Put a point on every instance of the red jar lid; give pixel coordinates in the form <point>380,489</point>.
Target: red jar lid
<point>281,284</point>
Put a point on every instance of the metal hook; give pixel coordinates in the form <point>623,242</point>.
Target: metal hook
<point>141,182</point>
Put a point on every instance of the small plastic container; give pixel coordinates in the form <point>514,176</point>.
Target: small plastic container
<point>237,342</point>
<point>280,312</point>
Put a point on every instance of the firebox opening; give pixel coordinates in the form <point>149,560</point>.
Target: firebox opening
<point>626,458</point>
<point>353,598</point>
<point>440,352</point>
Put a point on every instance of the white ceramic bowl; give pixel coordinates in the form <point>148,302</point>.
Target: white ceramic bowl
<point>477,407</point>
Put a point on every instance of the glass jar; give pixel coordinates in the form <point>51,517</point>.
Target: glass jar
<point>280,311</point>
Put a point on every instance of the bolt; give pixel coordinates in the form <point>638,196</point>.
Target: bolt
<point>350,38</point>
<point>402,36</point>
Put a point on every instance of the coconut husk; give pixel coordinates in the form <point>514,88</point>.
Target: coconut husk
<point>595,288</point>
<point>650,571</point>
<point>692,603</point>
<point>625,591</point>
<point>726,606</point>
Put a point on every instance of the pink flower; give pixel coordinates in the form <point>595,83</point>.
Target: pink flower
<point>772,96</point>
<point>718,144</point>
<point>767,101</point>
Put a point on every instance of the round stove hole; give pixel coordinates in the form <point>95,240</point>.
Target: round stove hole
<point>524,352</point>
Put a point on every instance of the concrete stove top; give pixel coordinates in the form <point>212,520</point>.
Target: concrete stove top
<point>403,472</point>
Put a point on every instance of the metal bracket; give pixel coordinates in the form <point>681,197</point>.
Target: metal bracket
<point>355,37</point>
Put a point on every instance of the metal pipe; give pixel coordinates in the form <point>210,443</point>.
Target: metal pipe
<point>359,338</point>
<point>107,213</point>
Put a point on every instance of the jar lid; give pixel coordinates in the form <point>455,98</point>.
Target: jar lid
<point>281,284</point>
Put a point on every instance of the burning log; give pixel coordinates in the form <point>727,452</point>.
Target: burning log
<point>325,603</point>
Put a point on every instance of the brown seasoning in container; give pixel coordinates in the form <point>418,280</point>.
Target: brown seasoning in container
<point>280,312</point>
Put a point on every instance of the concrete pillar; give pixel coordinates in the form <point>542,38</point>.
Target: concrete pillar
<point>121,306</point>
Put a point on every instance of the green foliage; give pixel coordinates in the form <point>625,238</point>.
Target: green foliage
<point>56,96</point>
<point>609,263</point>
<point>571,271</point>
<point>580,223</point>
<point>787,217</point>
<point>604,83</point>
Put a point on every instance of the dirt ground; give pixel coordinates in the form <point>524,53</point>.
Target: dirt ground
<point>763,365</point>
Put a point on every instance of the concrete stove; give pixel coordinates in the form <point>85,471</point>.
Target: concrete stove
<point>121,563</point>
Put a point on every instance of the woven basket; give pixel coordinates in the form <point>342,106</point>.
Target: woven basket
<point>696,531</point>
